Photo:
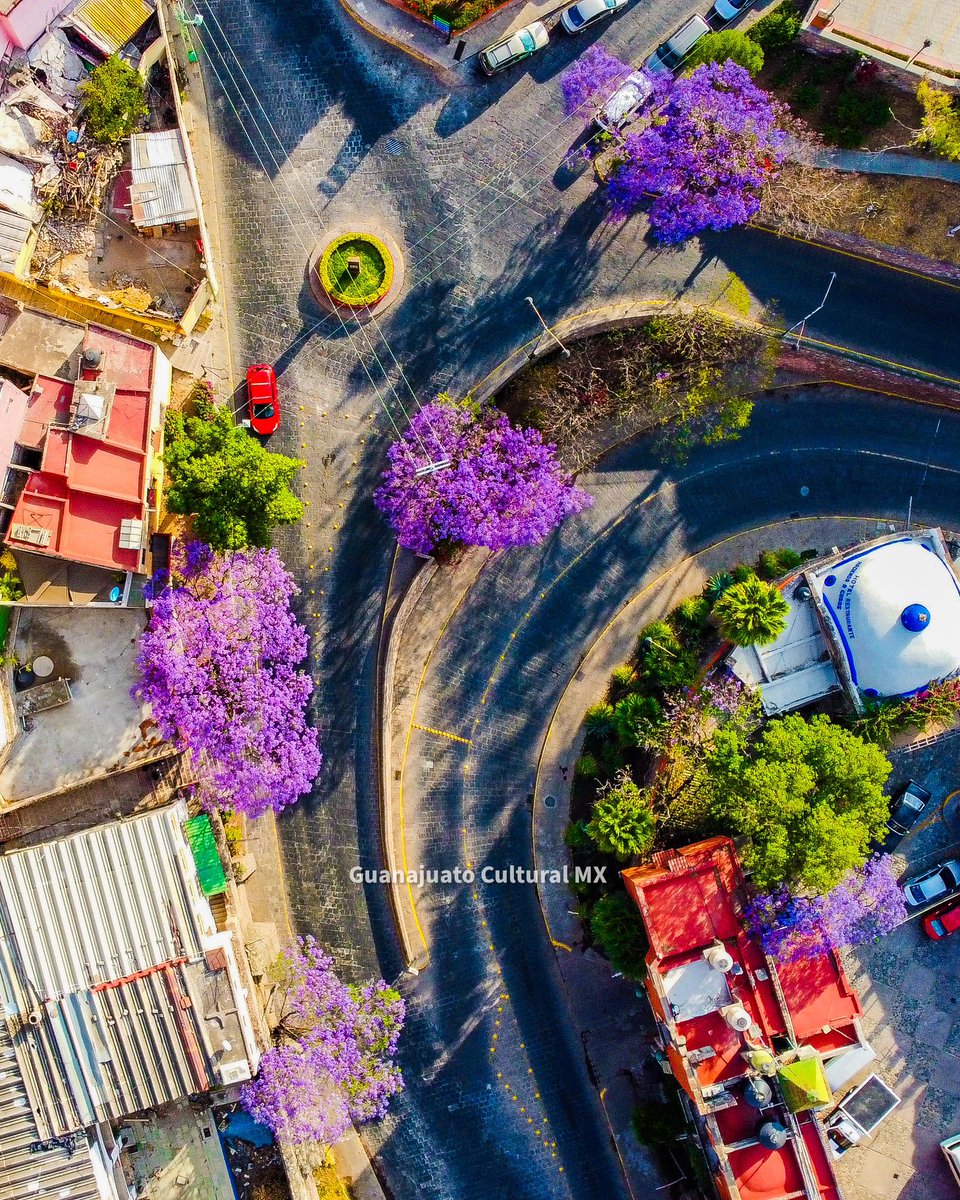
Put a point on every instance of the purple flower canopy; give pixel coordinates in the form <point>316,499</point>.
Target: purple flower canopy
<point>218,668</point>
<point>341,1067</point>
<point>503,486</point>
<point>867,904</point>
<point>710,146</point>
<point>590,79</point>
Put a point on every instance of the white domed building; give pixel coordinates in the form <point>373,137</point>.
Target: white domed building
<point>892,611</point>
<point>879,621</point>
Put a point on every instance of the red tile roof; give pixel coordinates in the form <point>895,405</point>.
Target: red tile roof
<point>89,481</point>
<point>690,899</point>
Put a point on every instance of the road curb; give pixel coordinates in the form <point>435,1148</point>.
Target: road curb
<point>384,37</point>
<point>394,622</point>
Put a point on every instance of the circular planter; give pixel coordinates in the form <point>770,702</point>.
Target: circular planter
<point>356,293</point>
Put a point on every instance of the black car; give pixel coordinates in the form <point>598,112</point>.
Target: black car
<point>908,804</point>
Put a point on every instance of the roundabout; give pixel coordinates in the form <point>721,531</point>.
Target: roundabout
<point>356,273</point>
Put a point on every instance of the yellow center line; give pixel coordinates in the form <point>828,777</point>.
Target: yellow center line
<point>454,737</point>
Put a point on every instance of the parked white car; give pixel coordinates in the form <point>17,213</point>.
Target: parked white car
<point>587,12</point>
<point>513,48</point>
<point>625,103</point>
<point>729,10</point>
<point>932,886</point>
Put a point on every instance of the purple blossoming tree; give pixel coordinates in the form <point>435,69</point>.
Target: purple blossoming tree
<point>334,1061</point>
<point>219,668</point>
<point>867,904</point>
<point>710,146</point>
<point>503,486</point>
<point>590,79</point>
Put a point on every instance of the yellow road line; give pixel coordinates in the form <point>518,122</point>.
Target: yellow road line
<point>453,737</point>
<point>887,362</point>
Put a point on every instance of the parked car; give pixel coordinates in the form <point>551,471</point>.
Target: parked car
<point>942,922</point>
<point>625,103</point>
<point>674,50</point>
<point>908,804</point>
<point>729,10</point>
<point>939,883</point>
<point>951,1152</point>
<point>513,48</point>
<point>587,12</point>
<point>262,401</point>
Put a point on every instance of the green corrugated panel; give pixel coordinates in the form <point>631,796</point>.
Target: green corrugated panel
<point>205,855</point>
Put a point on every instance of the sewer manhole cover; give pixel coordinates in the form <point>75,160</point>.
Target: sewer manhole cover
<point>550,802</point>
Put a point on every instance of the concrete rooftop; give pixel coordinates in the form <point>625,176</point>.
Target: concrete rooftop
<point>102,729</point>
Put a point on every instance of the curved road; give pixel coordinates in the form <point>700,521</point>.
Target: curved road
<point>321,126</point>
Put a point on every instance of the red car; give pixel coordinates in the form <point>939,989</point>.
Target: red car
<point>262,399</point>
<point>942,923</point>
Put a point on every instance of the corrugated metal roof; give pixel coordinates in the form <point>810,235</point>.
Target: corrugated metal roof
<point>112,1002</point>
<point>205,854</point>
<point>160,188</point>
<point>109,24</point>
<point>14,232</point>
<point>25,1170</point>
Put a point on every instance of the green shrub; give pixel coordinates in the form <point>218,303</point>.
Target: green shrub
<point>636,720</point>
<point>576,837</point>
<point>806,98</point>
<point>742,572</point>
<point>113,101</point>
<point>778,28</point>
<point>772,564</point>
<point>617,928</point>
<point>717,584</point>
<point>693,613</point>
<point>587,766</point>
<point>940,131</point>
<point>723,46</point>
<point>10,586</point>
<point>375,276</point>
<point>664,662</point>
<point>622,823</point>
<point>622,680</point>
<point>857,111</point>
<point>598,720</point>
<point>611,759</point>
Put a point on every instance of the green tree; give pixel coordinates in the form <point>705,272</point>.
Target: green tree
<point>622,823</point>
<point>114,100</point>
<point>751,613</point>
<point>809,795</point>
<point>727,44</point>
<point>778,28</point>
<point>636,719</point>
<point>235,489</point>
<point>10,586</point>
<point>617,928</point>
<point>940,131</point>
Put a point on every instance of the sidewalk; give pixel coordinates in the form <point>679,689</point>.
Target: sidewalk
<point>404,31</point>
<point>883,162</point>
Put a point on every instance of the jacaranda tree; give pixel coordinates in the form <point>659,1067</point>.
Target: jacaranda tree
<point>867,904</point>
<point>333,1061</point>
<point>710,145</point>
<point>219,667</point>
<point>500,486</point>
<point>590,79</point>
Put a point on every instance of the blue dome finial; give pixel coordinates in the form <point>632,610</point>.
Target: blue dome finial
<point>915,618</point>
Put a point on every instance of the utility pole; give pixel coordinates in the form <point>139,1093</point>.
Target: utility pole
<point>564,350</point>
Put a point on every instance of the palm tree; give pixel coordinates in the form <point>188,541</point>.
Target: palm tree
<point>751,613</point>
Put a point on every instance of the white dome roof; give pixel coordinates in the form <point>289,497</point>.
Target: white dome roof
<point>895,610</point>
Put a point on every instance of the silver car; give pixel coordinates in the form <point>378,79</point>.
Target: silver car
<point>579,16</point>
<point>514,48</point>
<point>932,886</point>
<point>625,103</point>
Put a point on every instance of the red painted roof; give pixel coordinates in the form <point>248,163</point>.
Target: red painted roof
<point>689,899</point>
<point>89,482</point>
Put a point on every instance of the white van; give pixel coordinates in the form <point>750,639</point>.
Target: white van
<point>674,50</point>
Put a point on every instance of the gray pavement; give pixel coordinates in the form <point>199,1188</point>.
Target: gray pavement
<point>317,123</point>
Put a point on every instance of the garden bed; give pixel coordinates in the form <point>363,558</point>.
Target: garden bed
<point>356,288</point>
<point>461,14</point>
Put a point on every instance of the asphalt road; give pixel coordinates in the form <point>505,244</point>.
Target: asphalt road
<point>321,128</point>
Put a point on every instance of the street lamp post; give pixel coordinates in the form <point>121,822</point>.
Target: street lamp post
<point>547,329</point>
<point>913,57</point>
<point>802,324</point>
